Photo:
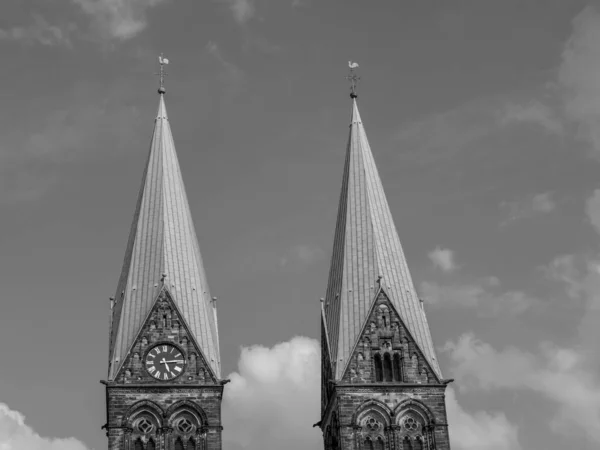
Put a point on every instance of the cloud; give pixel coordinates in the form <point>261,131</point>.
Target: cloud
<point>592,209</point>
<point>117,19</point>
<point>31,160</point>
<point>534,112</point>
<point>15,434</point>
<point>443,258</point>
<point>558,374</point>
<point>528,207</point>
<point>39,32</point>
<point>274,398</point>
<point>479,431</point>
<point>242,10</point>
<point>232,75</point>
<point>283,382</point>
<point>441,136</point>
<point>478,296</point>
<point>302,255</point>
<point>577,75</point>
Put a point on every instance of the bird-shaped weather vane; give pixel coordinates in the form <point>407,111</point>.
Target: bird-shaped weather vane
<point>162,73</point>
<point>353,78</point>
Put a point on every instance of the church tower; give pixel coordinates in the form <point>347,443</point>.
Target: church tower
<point>382,388</point>
<point>164,388</point>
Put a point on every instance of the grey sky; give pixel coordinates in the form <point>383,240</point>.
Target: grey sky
<point>483,118</point>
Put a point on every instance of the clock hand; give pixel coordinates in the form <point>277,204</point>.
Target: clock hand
<point>166,364</point>
<point>180,361</point>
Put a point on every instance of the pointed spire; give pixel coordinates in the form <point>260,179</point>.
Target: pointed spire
<point>162,253</point>
<point>367,256</point>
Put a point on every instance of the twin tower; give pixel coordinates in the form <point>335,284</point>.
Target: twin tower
<point>381,384</point>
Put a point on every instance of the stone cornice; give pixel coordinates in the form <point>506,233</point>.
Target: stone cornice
<point>363,386</point>
<point>164,386</point>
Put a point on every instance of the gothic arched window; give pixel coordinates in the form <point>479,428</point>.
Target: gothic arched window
<point>139,445</point>
<point>179,444</point>
<point>418,444</point>
<point>191,445</point>
<point>398,375</point>
<point>379,444</point>
<point>151,445</point>
<point>387,367</point>
<point>369,444</point>
<point>407,444</point>
<point>378,367</point>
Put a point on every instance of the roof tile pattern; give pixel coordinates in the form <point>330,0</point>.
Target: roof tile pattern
<point>162,240</point>
<point>366,245</point>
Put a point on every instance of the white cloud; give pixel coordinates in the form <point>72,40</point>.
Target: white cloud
<point>242,10</point>
<point>118,19</point>
<point>39,32</point>
<point>302,254</point>
<point>558,374</point>
<point>534,112</point>
<point>273,401</point>
<point>592,209</point>
<point>15,434</point>
<point>578,75</point>
<point>443,258</point>
<point>528,207</point>
<point>478,296</point>
<point>480,430</point>
<point>274,398</point>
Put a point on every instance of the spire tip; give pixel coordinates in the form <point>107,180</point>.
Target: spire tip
<point>353,78</point>
<point>162,74</point>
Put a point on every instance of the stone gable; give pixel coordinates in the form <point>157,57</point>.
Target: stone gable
<point>164,324</point>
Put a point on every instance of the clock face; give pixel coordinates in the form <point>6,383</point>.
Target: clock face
<point>164,362</point>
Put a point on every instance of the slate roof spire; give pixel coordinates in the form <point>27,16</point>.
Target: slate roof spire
<point>367,255</point>
<point>162,253</point>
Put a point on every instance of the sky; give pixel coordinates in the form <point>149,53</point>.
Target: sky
<point>484,120</point>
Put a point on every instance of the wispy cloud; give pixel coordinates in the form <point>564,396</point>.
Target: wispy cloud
<point>30,162</point>
<point>242,10</point>
<point>234,76</point>
<point>577,76</point>
<point>480,295</point>
<point>39,32</point>
<point>117,19</point>
<point>534,112</point>
<point>592,207</point>
<point>528,207</point>
<point>443,258</point>
<point>15,434</point>
<point>302,255</point>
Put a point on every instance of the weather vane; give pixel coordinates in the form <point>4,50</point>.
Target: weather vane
<point>353,78</point>
<point>162,73</point>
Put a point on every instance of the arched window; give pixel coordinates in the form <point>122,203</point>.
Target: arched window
<point>151,445</point>
<point>418,444</point>
<point>379,444</point>
<point>407,444</point>
<point>378,367</point>
<point>191,445</point>
<point>139,445</point>
<point>179,444</point>
<point>398,375</point>
<point>387,367</point>
<point>369,444</point>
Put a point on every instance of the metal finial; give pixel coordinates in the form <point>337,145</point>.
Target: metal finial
<point>162,73</point>
<point>162,278</point>
<point>379,278</point>
<point>353,79</point>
